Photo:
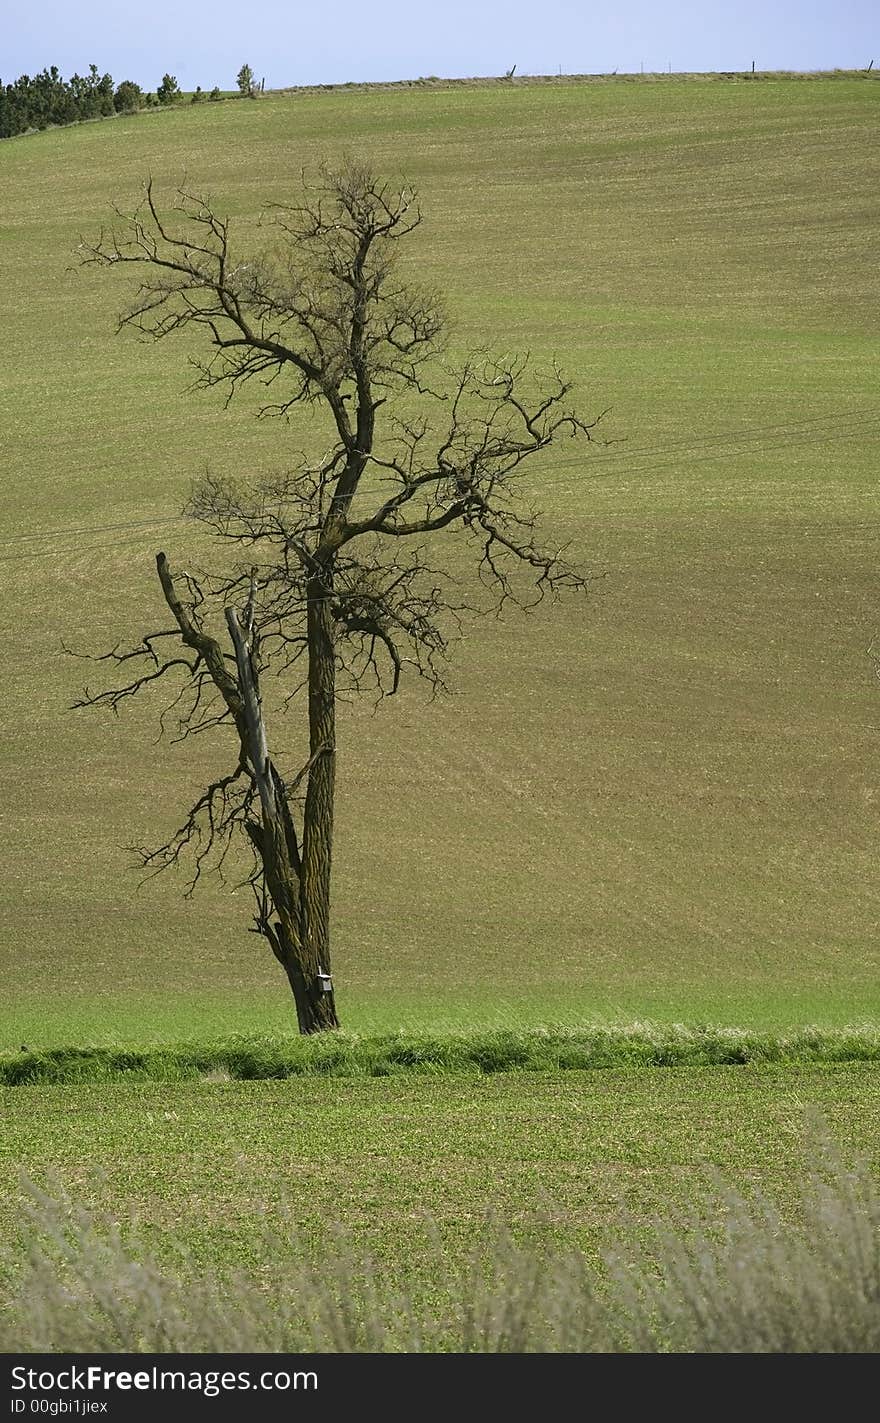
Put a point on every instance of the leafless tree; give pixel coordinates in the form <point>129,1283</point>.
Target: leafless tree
<point>331,585</point>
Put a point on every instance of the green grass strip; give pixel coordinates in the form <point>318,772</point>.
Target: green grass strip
<point>346,1055</point>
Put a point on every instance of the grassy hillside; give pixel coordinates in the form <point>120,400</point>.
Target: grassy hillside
<point>659,803</point>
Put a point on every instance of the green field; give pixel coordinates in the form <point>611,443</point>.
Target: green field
<point>660,803</point>
<point>553,1155</point>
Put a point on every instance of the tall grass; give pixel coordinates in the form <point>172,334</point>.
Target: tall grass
<point>348,1055</point>
<point>756,1283</point>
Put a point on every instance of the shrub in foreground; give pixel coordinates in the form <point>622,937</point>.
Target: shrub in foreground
<point>757,1284</point>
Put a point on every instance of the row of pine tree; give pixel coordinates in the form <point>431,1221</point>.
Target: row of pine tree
<point>47,99</point>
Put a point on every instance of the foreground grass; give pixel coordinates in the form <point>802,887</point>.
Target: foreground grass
<point>404,1162</point>
<point>343,1055</point>
<point>757,1282</point>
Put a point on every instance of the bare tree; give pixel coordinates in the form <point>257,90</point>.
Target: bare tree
<point>331,585</point>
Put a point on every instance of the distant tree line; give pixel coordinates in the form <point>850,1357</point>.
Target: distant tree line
<point>47,99</point>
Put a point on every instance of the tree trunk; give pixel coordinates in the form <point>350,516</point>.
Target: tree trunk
<point>315,1005</point>
<point>275,842</point>
<point>317,850</point>
<point>315,1008</point>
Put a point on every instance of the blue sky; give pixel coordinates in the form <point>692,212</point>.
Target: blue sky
<point>206,41</point>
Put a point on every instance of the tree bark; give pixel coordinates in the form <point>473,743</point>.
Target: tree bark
<point>318,816</point>
<point>275,842</point>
